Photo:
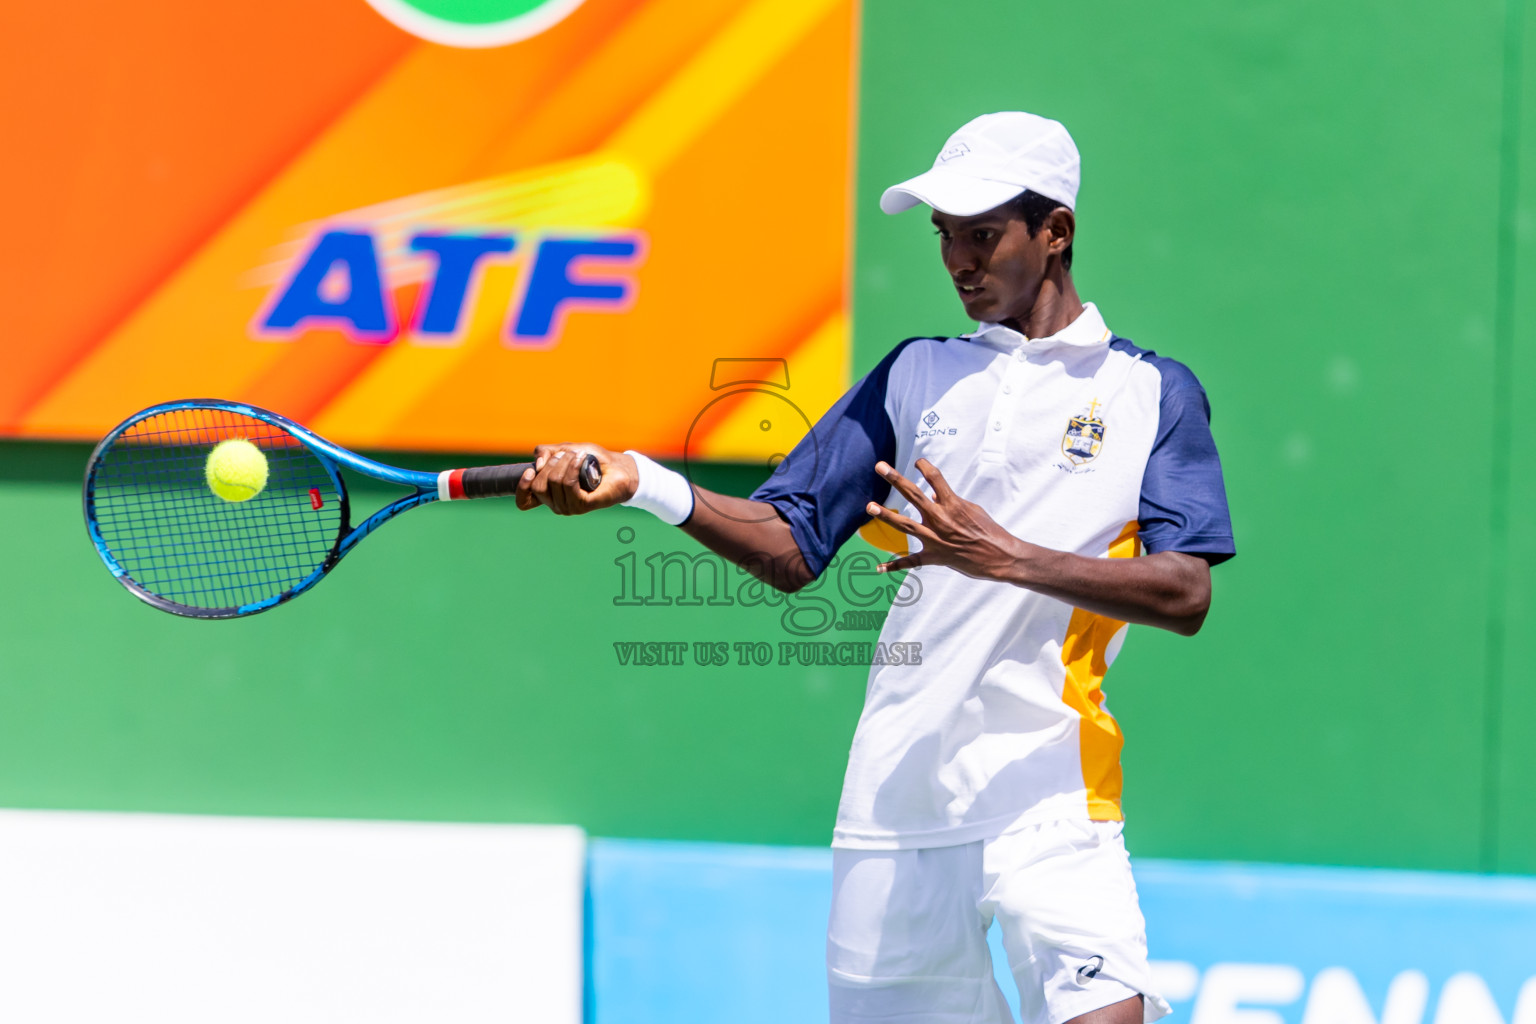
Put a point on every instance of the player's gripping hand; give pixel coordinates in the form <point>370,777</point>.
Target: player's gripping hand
<point>954,532</point>
<point>553,479</point>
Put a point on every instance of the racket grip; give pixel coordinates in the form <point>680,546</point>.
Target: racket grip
<point>501,481</point>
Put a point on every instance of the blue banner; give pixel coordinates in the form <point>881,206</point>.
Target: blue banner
<point>702,932</point>
<point>1248,944</point>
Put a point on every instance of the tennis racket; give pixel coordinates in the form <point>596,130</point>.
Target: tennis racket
<point>175,544</point>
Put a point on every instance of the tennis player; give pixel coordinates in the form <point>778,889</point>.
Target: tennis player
<point>1026,463</point>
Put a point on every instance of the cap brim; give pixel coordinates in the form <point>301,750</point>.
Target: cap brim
<point>958,194</point>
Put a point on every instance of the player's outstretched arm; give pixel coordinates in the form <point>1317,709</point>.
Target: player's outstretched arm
<point>749,533</point>
<point>1170,590</point>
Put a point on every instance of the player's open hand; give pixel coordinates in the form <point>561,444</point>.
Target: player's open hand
<point>954,532</point>
<point>553,480</point>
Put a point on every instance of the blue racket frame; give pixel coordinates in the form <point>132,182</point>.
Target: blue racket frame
<point>331,456</point>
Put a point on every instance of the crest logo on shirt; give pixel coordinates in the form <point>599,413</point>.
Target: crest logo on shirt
<point>1084,437</point>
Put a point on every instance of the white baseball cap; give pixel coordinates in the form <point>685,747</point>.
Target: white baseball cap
<point>989,161</point>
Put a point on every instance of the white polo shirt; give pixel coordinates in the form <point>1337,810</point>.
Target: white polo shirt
<point>1080,442</point>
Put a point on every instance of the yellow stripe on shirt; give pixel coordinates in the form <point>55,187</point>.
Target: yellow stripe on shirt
<point>1085,654</point>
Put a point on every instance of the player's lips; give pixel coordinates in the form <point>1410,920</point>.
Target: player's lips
<point>968,290</point>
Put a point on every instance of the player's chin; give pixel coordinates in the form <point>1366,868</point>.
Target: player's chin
<point>978,305</point>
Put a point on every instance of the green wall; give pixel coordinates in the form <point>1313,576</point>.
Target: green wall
<point>1304,201</point>
<point>1512,750</point>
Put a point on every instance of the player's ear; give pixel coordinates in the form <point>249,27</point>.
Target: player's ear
<point>1062,225</point>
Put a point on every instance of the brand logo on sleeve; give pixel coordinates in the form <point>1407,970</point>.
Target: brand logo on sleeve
<point>1090,969</point>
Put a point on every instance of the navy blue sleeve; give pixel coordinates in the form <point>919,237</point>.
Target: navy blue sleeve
<point>1183,498</point>
<point>823,485</point>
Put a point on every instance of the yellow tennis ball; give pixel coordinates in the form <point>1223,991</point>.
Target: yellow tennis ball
<point>237,470</point>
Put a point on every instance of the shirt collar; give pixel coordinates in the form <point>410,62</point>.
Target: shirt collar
<point>1086,331</point>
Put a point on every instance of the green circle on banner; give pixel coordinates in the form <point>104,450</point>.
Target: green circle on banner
<point>475,23</point>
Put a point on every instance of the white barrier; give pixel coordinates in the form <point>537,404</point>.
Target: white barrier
<point>112,917</point>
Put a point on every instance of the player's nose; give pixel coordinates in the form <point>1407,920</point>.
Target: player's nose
<point>961,261</point>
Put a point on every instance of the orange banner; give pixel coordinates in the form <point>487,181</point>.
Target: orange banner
<point>578,235</point>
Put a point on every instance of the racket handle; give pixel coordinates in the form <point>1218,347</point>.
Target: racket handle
<point>501,481</point>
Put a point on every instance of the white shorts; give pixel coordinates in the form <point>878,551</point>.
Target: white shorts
<point>907,939</point>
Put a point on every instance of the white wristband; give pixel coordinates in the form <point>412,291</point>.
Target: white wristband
<point>662,492</point>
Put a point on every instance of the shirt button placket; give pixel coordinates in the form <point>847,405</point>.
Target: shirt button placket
<point>1003,410</point>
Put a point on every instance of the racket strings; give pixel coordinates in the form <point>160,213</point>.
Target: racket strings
<point>245,557</point>
<point>207,560</point>
<point>178,540</point>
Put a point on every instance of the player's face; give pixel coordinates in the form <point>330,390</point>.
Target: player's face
<point>995,265</point>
